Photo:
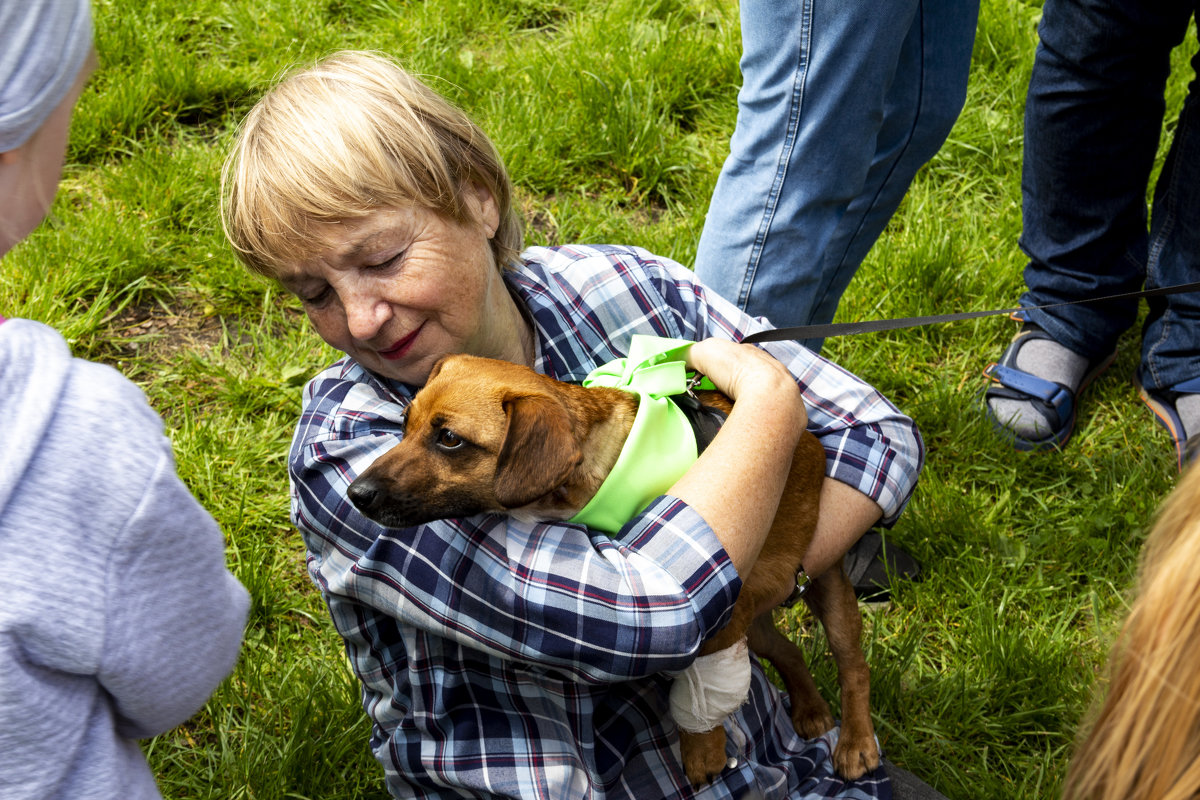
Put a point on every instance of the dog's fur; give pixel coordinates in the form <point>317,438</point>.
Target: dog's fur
<point>492,436</point>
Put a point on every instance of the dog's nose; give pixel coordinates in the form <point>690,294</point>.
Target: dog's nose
<point>365,493</point>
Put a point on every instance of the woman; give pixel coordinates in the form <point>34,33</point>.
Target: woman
<point>500,658</point>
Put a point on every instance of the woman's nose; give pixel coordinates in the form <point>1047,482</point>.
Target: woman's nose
<point>365,316</point>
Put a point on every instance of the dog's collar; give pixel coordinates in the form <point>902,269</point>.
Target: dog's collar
<point>661,444</point>
<point>705,420</point>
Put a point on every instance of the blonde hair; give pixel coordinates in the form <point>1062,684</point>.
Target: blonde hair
<point>1144,741</point>
<point>345,137</point>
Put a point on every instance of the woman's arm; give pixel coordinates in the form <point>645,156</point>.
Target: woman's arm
<point>869,444</point>
<point>738,480</point>
<point>736,483</point>
<point>874,453</point>
<point>846,514</point>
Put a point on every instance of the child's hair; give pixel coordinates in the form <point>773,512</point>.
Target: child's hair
<point>1144,741</point>
<point>345,137</point>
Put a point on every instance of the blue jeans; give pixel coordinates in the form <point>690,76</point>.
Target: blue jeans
<point>841,103</point>
<point>1093,118</point>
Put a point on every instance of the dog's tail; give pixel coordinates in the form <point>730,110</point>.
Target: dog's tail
<point>1144,738</point>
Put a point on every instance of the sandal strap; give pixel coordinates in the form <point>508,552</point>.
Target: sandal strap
<point>1191,386</point>
<point>1055,395</point>
<point>860,557</point>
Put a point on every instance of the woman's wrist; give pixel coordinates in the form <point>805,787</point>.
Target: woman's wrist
<point>755,380</point>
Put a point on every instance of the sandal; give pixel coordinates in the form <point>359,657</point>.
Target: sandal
<point>1162,403</point>
<point>1059,401</point>
<point>872,566</point>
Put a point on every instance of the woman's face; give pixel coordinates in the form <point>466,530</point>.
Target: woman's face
<point>401,287</point>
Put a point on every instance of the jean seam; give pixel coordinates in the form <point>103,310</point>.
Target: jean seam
<point>831,277</point>
<point>795,111</point>
<point>1170,198</point>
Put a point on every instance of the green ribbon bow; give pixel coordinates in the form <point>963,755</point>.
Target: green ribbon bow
<point>661,444</point>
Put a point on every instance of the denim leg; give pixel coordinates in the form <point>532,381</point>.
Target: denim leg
<point>815,79</point>
<point>1171,337</point>
<point>1093,117</point>
<point>922,105</point>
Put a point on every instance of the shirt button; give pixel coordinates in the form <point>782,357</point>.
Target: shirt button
<point>731,763</point>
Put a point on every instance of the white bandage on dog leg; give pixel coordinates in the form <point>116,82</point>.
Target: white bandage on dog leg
<point>712,688</point>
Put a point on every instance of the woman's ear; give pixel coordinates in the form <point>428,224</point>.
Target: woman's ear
<point>482,207</point>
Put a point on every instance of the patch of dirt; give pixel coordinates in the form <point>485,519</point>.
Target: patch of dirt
<point>157,333</point>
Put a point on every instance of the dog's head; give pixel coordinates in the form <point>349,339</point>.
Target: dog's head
<point>482,435</point>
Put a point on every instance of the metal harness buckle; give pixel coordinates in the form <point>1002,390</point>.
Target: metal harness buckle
<point>803,583</point>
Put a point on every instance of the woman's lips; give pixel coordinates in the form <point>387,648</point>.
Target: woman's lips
<point>400,348</point>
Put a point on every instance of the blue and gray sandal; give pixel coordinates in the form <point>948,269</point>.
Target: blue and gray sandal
<point>873,565</point>
<point>1059,401</point>
<point>1162,403</point>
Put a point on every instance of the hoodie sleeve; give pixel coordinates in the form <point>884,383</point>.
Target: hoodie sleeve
<point>171,615</point>
<point>176,615</point>
<point>118,613</point>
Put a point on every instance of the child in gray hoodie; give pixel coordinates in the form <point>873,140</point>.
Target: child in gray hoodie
<point>119,617</point>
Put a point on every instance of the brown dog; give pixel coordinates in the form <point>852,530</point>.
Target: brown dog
<point>492,436</point>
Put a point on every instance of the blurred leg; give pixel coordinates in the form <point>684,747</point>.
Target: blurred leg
<point>1171,340</point>
<point>815,82</point>
<point>921,108</point>
<point>1095,98</point>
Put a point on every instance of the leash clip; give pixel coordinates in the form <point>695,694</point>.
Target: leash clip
<point>803,584</point>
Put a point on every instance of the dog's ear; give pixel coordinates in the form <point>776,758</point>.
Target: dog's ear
<point>539,450</point>
<point>437,367</point>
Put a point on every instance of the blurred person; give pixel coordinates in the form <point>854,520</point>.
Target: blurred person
<point>1093,120</point>
<point>119,617</point>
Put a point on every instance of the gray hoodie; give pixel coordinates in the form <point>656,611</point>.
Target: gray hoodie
<point>118,617</point>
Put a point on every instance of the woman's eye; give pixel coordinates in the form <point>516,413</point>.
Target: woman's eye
<point>449,440</point>
<point>387,262</point>
<point>316,300</point>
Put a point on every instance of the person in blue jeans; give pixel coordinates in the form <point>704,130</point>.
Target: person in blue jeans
<point>840,105</point>
<point>1093,118</point>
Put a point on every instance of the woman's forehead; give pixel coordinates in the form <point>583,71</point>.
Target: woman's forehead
<point>346,239</point>
<point>345,242</point>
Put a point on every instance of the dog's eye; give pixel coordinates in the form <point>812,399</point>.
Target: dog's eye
<point>449,440</point>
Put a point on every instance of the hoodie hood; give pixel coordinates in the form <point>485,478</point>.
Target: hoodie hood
<point>35,364</point>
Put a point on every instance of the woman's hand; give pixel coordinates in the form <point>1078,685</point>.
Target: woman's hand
<point>736,483</point>
<point>745,373</point>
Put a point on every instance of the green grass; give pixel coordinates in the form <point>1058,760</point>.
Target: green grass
<point>614,116</point>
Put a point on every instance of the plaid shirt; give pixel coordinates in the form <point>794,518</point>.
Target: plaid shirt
<point>507,659</point>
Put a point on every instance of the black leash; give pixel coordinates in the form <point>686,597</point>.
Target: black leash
<point>877,325</point>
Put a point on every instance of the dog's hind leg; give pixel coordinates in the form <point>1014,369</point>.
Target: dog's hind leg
<point>810,713</point>
<point>831,598</point>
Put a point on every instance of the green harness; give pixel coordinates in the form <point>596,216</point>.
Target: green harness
<point>661,444</point>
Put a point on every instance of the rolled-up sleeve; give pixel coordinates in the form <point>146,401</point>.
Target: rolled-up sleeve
<point>869,444</point>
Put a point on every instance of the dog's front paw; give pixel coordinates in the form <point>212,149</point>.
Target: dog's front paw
<point>855,755</point>
<point>703,755</point>
<point>811,717</point>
